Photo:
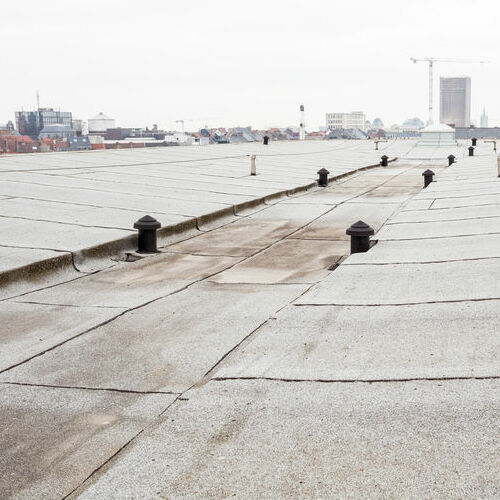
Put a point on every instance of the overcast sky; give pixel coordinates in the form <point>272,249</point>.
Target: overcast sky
<point>229,63</point>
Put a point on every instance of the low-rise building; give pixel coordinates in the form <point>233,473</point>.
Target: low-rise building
<point>57,130</point>
<point>355,119</point>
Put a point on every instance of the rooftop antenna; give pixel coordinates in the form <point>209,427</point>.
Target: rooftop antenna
<point>431,61</point>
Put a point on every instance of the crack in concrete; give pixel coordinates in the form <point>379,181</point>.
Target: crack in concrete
<point>63,305</point>
<point>66,223</point>
<point>102,206</point>
<point>420,261</point>
<point>394,223</point>
<point>124,193</point>
<point>450,208</point>
<point>359,380</point>
<point>439,237</point>
<point>339,304</point>
<point>104,389</point>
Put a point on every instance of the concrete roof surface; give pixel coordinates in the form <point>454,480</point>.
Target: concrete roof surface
<point>253,357</point>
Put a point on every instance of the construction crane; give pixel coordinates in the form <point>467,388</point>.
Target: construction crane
<point>431,61</point>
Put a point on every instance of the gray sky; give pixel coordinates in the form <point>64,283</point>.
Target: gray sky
<point>231,63</point>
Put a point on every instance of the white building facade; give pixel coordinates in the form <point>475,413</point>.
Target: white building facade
<point>355,119</point>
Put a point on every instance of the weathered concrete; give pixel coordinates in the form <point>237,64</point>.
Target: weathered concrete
<point>288,261</point>
<point>264,439</point>
<point>167,346</point>
<point>241,238</point>
<point>18,233</point>
<point>433,250</point>
<point>333,225</point>
<point>222,438</point>
<point>15,258</point>
<point>408,284</point>
<point>79,200</point>
<point>446,214</point>
<point>54,438</point>
<point>372,343</point>
<point>440,229</point>
<point>30,329</point>
<point>131,284</point>
<point>80,215</point>
<point>466,201</point>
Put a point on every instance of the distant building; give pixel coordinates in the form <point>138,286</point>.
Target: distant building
<point>377,123</point>
<point>79,144</point>
<point>455,96</point>
<point>335,121</point>
<point>80,127</point>
<point>100,123</point>
<point>57,131</point>
<point>7,129</point>
<point>31,123</point>
<point>484,119</point>
<point>353,133</point>
<point>412,124</point>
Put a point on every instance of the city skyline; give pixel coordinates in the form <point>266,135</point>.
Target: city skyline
<point>167,63</point>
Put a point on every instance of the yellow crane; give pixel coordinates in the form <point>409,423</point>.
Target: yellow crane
<point>431,61</point>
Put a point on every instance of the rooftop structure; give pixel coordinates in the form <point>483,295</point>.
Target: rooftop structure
<point>437,135</point>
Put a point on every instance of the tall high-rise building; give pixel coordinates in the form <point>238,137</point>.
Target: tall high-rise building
<point>32,122</point>
<point>455,101</point>
<point>484,119</point>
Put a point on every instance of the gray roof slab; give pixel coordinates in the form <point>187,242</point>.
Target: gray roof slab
<point>453,192</point>
<point>111,200</point>
<point>333,225</point>
<point>446,214</point>
<point>431,250</point>
<point>103,191</point>
<point>392,194</point>
<point>466,201</point>
<point>33,328</point>
<point>417,205</point>
<point>53,438</point>
<point>168,345</point>
<point>407,284</point>
<point>444,190</point>
<point>440,229</point>
<point>262,439</point>
<point>372,343</point>
<point>336,193</point>
<point>130,284</point>
<point>54,236</point>
<point>15,257</point>
<point>241,238</point>
<point>288,261</point>
<point>292,214</point>
<point>39,210</point>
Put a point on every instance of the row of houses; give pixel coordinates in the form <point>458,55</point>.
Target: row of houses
<point>12,141</point>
